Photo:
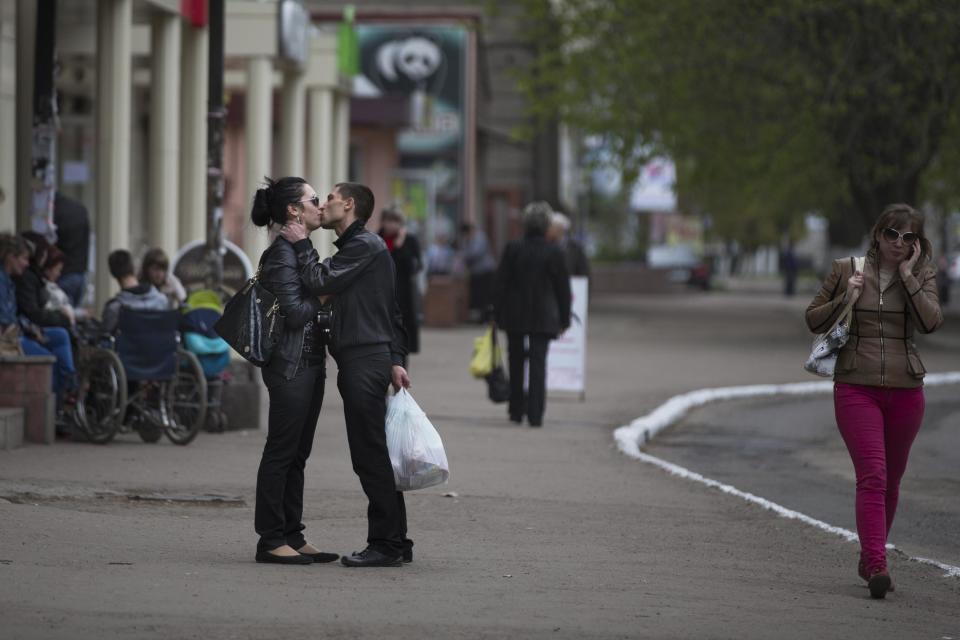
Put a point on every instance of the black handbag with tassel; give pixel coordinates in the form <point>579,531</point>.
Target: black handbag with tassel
<point>248,323</point>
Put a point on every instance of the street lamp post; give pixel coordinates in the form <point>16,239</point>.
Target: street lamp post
<point>216,117</point>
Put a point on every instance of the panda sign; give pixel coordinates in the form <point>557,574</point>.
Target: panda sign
<point>424,64</point>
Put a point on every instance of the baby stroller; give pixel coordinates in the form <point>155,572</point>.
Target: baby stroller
<point>202,309</point>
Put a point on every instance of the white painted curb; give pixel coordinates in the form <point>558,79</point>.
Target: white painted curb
<point>631,437</point>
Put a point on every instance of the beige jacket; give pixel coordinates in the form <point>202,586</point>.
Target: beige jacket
<point>880,352</point>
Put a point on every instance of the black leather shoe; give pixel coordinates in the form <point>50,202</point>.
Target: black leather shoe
<point>266,556</point>
<point>322,556</point>
<point>408,555</point>
<point>371,558</point>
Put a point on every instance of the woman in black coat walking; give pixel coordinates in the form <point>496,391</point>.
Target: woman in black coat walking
<point>533,306</point>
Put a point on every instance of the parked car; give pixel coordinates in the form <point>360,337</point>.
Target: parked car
<point>683,263</point>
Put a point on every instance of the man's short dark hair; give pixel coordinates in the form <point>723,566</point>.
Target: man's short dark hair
<point>362,198</point>
<point>120,263</point>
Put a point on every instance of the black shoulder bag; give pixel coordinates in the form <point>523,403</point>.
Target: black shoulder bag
<point>249,321</point>
<point>498,387</point>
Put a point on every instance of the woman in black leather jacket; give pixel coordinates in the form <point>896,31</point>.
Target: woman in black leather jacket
<point>294,377</point>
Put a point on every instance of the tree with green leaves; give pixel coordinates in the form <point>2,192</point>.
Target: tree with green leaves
<point>770,108</point>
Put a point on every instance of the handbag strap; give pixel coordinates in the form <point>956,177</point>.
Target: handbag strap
<point>856,264</point>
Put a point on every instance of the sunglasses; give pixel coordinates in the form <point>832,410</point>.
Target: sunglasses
<point>891,235</point>
<point>315,200</point>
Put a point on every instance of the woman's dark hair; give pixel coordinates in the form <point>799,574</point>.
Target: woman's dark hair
<point>896,216</point>
<point>155,257</point>
<point>54,257</point>
<point>392,213</point>
<point>39,249</point>
<point>270,202</point>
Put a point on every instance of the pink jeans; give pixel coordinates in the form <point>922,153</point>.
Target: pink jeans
<point>878,426</point>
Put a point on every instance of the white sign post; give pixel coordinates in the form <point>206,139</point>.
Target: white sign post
<point>567,357</point>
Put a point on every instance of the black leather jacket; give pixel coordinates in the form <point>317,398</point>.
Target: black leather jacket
<point>279,275</point>
<point>361,278</point>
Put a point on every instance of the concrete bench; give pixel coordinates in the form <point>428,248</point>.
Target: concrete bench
<point>11,429</point>
<point>26,383</point>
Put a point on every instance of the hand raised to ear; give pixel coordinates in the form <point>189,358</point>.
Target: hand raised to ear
<point>907,265</point>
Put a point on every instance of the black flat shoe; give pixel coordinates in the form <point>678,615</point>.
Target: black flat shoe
<point>266,556</point>
<point>408,556</point>
<point>371,558</point>
<point>322,556</point>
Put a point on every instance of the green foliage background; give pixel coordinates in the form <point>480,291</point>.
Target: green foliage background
<point>771,109</point>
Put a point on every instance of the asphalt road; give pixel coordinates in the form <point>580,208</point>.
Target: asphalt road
<point>788,450</point>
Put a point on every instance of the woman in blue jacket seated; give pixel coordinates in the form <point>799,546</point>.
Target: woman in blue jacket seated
<point>35,341</point>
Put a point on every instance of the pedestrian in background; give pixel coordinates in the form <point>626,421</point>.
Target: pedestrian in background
<point>482,267</point>
<point>34,340</point>
<point>404,248</point>
<point>155,270</point>
<point>878,380</point>
<point>295,378</point>
<point>533,306</point>
<point>57,298</point>
<point>133,294</point>
<point>32,294</point>
<point>577,262</point>
<point>73,238</point>
<point>368,344</point>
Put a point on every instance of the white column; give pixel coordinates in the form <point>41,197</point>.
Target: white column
<point>162,216</point>
<point>8,115</point>
<point>193,135</point>
<point>320,148</point>
<point>259,118</point>
<point>341,170</point>
<point>293,123</point>
<point>112,216</point>
<point>320,156</point>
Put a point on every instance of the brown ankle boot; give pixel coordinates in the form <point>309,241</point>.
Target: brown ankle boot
<point>879,584</point>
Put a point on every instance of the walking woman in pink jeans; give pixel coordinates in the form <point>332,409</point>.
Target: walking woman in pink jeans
<point>878,380</point>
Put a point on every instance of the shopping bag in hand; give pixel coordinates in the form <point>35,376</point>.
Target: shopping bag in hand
<point>481,364</point>
<point>416,451</point>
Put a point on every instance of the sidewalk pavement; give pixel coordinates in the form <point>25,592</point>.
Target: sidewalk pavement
<point>540,533</point>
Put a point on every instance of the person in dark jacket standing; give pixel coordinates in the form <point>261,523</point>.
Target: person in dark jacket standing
<point>367,340</point>
<point>294,377</point>
<point>73,238</point>
<point>405,250</point>
<point>533,306</point>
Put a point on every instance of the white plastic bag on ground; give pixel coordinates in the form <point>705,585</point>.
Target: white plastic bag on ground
<point>416,451</point>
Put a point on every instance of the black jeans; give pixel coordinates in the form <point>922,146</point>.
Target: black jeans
<point>363,383</point>
<point>294,410</point>
<point>533,405</point>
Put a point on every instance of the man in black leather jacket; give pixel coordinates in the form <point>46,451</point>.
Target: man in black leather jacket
<point>367,340</point>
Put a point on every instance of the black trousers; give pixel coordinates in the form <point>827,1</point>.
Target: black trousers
<point>363,383</point>
<point>517,353</point>
<point>294,410</point>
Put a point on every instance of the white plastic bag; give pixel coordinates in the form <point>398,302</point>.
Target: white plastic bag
<point>416,451</point>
